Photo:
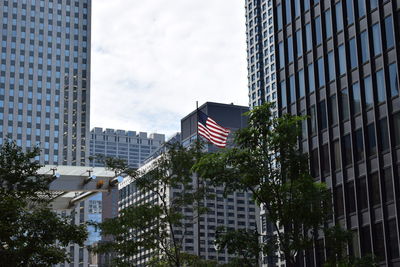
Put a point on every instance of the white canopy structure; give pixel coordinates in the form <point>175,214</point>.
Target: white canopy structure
<point>76,183</point>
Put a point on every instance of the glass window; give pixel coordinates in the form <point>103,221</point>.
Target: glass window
<point>353,53</point>
<point>279,17</point>
<point>376,35</point>
<point>350,12</point>
<point>313,120</point>
<point>342,60</point>
<point>281,52</point>
<point>364,46</point>
<point>388,184</point>
<point>283,94</point>
<point>339,207</point>
<point>321,75</point>
<point>369,96</point>
<point>290,49</point>
<point>308,37</point>
<point>314,163</point>
<point>334,112</point>
<point>331,66</point>
<point>347,150</point>
<point>311,77</point>
<point>393,80</point>
<point>384,138</point>
<point>361,8</point>
<point>339,16</point>
<point>379,242</point>
<point>288,11</point>
<point>302,87</point>
<point>356,98</point>
<point>373,4</point>
<point>393,239</point>
<point>306,5</point>
<point>299,43</point>
<point>371,141</point>
<point>297,8</point>
<point>350,197</point>
<point>292,89</point>
<point>322,113</point>
<point>380,83</point>
<point>318,30</point>
<point>344,96</point>
<point>359,146</point>
<point>325,160</point>
<point>336,154</point>
<point>362,193</point>
<point>389,32</point>
<point>396,123</point>
<point>328,24</point>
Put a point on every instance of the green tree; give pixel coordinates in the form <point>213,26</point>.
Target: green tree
<point>267,162</point>
<point>30,233</point>
<point>158,224</point>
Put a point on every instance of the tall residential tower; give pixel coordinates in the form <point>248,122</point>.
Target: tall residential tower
<point>338,63</point>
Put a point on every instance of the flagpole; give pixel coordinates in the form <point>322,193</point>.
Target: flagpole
<point>198,184</point>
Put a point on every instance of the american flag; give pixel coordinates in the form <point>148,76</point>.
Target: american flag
<point>211,130</point>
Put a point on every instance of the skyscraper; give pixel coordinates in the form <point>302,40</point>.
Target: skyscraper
<point>45,77</point>
<point>337,62</point>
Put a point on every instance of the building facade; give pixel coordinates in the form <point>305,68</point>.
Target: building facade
<point>235,211</point>
<point>45,84</point>
<point>337,62</point>
<point>45,77</point>
<point>130,146</point>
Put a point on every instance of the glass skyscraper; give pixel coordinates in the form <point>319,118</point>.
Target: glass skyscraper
<point>337,63</point>
<point>45,77</point>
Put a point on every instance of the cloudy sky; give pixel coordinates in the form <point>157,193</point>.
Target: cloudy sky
<point>152,59</point>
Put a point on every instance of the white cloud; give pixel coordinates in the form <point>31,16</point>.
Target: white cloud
<point>153,59</point>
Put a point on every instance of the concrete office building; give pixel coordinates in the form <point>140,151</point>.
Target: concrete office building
<point>45,77</point>
<point>130,146</point>
<point>337,62</point>
<point>237,210</point>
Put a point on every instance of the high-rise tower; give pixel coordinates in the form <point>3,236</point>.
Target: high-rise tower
<point>338,63</point>
<point>45,77</point>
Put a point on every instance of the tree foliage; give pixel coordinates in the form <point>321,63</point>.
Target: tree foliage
<point>268,162</point>
<point>30,233</point>
<point>153,223</point>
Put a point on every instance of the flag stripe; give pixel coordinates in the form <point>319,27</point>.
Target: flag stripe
<point>211,135</point>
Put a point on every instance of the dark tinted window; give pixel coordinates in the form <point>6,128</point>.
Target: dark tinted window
<point>323,117</point>
<point>387,178</point>
<point>356,98</point>
<point>379,242</point>
<point>384,138</point>
<point>331,66</point>
<point>302,86</point>
<point>359,147</point>
<point>393,239</point>
<point>334,113</point>
<point>374,190</point>
<point>350,12</point>
<point>321,75</point>
<point>318,30</point>
<point>347,153</point>
<point>308,37</point>
<point>396,125</point>
<point>345,104</point>
<point>311,77</point>
<point>350,197</point>
<point>325,160</point>
<point>339,207</point>
<point>290,49</point>
<point>283,94</point>
<point>299,43</point>
<point>292,89</point>
<point>362,193</point>
<point>336,155</point>
<point>371,141</point>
